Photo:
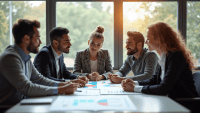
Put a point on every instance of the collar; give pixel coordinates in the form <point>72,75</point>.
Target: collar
<point>23,55</point>
<point>55,54</point>
<point>142,54</point>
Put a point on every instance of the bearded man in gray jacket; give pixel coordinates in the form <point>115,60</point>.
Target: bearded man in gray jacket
<point>19,78</point>
<point>142,62</point>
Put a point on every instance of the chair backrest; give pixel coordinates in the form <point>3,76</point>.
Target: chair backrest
<point>196,77</point>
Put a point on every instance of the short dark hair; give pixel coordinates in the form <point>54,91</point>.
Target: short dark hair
<point>137,37</point>
<point>24,27</point>
<point>57,32</point>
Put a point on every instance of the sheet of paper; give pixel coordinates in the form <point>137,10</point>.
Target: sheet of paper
<point>92,103</point>
<point>86,92</point>
<point>90,85</point>
<point>99,84</point>
<point>115,91</point>
<point>36,101</point>
<point>107,84</point>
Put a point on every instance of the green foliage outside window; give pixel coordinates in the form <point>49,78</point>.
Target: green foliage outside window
<point>79,19</point>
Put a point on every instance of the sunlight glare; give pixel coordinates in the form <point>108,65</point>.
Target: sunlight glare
<point>129,10</point>
<point>132,16</point>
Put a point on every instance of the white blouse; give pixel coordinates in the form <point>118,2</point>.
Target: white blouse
<point>161,61</point>
<point>93,65</point>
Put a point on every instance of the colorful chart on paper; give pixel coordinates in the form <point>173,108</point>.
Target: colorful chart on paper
<point>94,103</point>
<point>114,102</point>
<point>115,91</point>
<point>91,85</point>
<point>106,85</point>
<point>82,101</point>
<point>111,102</point>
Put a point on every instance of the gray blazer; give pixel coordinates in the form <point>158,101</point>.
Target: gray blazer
<point>13,81</point>
<point>82,63</point>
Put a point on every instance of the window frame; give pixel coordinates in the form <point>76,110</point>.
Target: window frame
<point>118,22</point>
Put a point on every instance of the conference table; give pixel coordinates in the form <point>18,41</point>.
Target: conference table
<point>143,102</point>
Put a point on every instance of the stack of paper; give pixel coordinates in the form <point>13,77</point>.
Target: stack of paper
<point>94,103</point>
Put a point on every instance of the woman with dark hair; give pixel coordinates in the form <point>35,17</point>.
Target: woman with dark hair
<point>94,62</point>
<point>174,77</point>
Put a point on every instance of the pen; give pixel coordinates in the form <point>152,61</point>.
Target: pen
<point>78,91</point>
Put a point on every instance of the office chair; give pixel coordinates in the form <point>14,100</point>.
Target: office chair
<point>192,103</point>
<point>3,108</point>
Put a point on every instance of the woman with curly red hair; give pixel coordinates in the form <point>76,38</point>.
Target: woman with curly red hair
<point>174,77</point>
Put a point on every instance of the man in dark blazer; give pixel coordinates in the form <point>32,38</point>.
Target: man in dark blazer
<point>49,61</point>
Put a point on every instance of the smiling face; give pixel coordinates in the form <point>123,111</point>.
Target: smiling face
<point>95,44</point>
<point>131,46</point>
<point>64,43</point>
<point>35,42</point>
<point>151,42</point>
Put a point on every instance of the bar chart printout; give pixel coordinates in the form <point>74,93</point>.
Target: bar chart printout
<point>115,91</point>
<point>90,85</point>
<point>92,103</point>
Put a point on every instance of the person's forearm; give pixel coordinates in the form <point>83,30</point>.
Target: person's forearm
<point>141,77</point>
<point>102,77</point>
<point>122,78</point>
<point>88,76</point>
<point>81,74</point>
<point>64,83</point>
<point>60,90</point>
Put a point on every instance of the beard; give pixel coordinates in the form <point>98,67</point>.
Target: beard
<point>64,50</point>
<point>32,49</point>
<point>133,51</point>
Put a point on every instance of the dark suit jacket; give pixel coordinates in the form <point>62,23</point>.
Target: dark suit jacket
<point>178,81</point>
<point>46,65</point>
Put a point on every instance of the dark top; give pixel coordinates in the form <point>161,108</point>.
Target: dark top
<point>178,81</point>
<point>45,63</point>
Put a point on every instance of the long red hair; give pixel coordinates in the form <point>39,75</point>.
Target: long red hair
<point>171,40</point>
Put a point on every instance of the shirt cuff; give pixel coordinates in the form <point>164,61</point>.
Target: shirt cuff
<point>136,83</point>
<point>67,80</point>
<point>56,84</point>
<point>55,91</point>
<point>119,74</point>
<point>104,77</point>
<point>138,89</point>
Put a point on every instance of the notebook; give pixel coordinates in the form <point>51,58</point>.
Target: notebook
<point>35,101</point>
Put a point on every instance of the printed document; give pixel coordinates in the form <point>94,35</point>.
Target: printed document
<point>93,103</point>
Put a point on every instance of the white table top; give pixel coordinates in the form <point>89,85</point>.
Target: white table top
<point>143,102</point>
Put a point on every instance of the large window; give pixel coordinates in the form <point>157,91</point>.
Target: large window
<point>81,19</point>
<point>193,29</point>
<point>137,16</point>
<point>11,11</point>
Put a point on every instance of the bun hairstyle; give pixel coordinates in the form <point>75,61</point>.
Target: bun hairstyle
<point>99,29</point>
<point>98,33</point>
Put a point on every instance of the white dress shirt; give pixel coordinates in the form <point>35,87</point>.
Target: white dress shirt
<point>57,57</point>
